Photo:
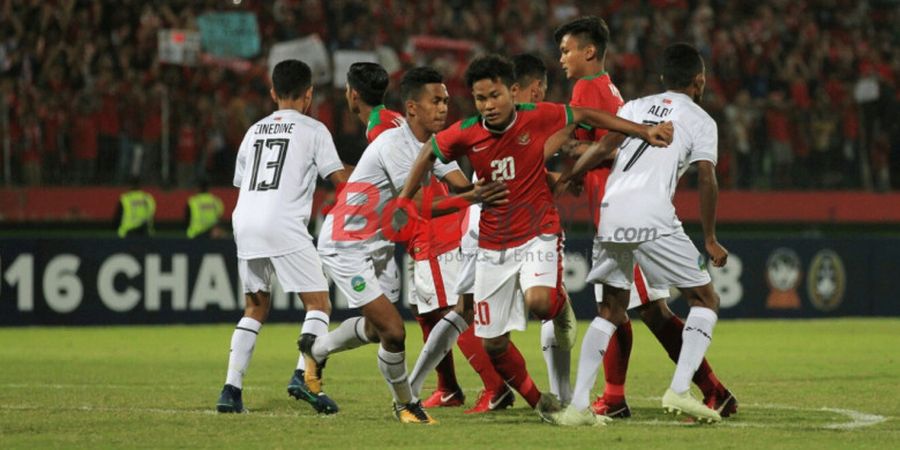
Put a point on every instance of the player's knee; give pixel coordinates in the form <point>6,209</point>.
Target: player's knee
<point>257,307</point>
<point>317,303</point>
<point>495,346</point>
<point>468,314</point>
<point>538,301</point>
<point>615,314</point>
<point>655,314</point>
<point>393,338</point>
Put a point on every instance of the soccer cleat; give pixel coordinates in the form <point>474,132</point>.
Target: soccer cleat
<point>611,410</point>
<point>572,417</point>
<point>722,402</point>
<point>230,400</point>
<point>686,403</point>
<point>490,400</point>
<point>413,413</point>
<point>548,408</point>
<point>564,327</point>
<point>444,399</point>
<point>320,402</point>
<point>312,376</point>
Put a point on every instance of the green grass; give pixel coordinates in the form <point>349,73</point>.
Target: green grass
<point>154,387</point>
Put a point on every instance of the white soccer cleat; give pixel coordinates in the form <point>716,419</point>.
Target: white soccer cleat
<point>572,417</point>
<point>564,327</point>
<point>686,403</point>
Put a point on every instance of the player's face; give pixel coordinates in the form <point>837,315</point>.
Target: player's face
<point>701,85</point>
<point>572,56</point>
<point>431,107</point>
<point>494,102</point>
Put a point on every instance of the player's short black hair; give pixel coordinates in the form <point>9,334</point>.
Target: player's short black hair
<point>370,80</point>
<point>588,30</point>
<point>291,78</point>
<point>528,67</point>
<point>681,64</point>
<point>490,67</point>
<point>414,80</point>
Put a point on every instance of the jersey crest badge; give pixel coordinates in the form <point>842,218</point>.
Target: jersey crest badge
<point>524,139</point>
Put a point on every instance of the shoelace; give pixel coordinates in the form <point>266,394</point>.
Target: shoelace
<point>416,410</point>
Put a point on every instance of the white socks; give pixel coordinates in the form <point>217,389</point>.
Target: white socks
<point>242,342</point>
<point>593,347</point>
<point>316,324</point>
<point>440,341</point>
<point>350,334</point>
<point>393,368</point>
<point>558,364</point>
<point>696,338</point>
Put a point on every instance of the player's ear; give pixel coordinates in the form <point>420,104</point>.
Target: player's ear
<point>410,107</point>
<point>272,94</point>
<point>514,91</point>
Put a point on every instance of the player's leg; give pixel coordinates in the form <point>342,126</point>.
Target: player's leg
<point>388,325</point>
<point>668,327</point>
<point>434,280</point>
<point>672,260</point>
<point>496,394</point>
<point>256,275</point>
<point>613,266</point>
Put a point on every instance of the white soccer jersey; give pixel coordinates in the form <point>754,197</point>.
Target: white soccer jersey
<point>382,172</point>
<point>276,169</point>
<point>637,205</point>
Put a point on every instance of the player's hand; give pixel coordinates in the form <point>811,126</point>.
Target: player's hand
<point>717,253</point>
<point>492,193</point>
<point>660,135</point>
<point>572,186</point>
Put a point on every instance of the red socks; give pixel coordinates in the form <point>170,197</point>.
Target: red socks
<point>473,350</point>
<point>511,366</point>
<point>615,364</point>
<point>670,337</point>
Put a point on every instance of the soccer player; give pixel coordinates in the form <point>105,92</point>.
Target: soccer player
<point>582,43</point>
<point>355,245</point>
<point>276,170</point>
<point>638,225</point>
<point>518,263</point>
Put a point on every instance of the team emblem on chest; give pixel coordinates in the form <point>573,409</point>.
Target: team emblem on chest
<point>524,139</point>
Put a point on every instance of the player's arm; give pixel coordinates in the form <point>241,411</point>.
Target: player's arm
<point>709,194</point>
<point>659,135</point>
<point>571,178</point>
<point>339,178</point>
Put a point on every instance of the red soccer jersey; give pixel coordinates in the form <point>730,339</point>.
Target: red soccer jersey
<point>381,119</point>
<point>515,156</point>
<point>597,92</point>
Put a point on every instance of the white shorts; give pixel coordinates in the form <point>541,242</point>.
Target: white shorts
<point>502,277</point>
<point>363,277</point>
<point>465,278</point>
<point>670,260</point>
<point>300,271</point>
<point>640,294</point>
<point>434,282</point>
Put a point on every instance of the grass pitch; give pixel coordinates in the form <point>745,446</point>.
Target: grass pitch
<point>811,384</point>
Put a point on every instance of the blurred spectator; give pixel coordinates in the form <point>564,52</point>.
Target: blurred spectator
<point>780,74</point>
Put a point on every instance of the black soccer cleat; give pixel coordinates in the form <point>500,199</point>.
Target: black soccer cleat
<point>230,400</point>
<point>298,389</point>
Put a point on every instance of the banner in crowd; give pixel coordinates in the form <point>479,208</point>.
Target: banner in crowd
<point>159,281</point>
<point>178,47</point>
<point>229,34</point>
<point>310,50</point>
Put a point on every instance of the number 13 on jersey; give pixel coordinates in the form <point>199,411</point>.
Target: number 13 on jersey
<point>503,169</point>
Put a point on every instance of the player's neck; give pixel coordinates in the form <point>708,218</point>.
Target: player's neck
<point>690,92</point>
<point>418,130</point>
<point>364,112</point>
<point>298,105</point>
<point>594,69</point>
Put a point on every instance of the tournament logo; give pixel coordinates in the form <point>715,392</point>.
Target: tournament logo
<point>826,281</point>
<point>701,262</point>
<point>358,283</point>
<point>783,276</point>
<point>524,138</point>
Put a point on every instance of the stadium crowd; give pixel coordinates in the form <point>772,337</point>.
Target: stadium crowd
<point>802,90</point>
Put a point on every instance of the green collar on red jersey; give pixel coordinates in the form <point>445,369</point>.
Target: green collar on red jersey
<point>596,75</point>
<point>374,117</point>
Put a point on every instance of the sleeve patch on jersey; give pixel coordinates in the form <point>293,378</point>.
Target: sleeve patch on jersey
<point>525,106</point>
<point>469,122</point>
<point>570,116</point>
<point>437,151</point>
